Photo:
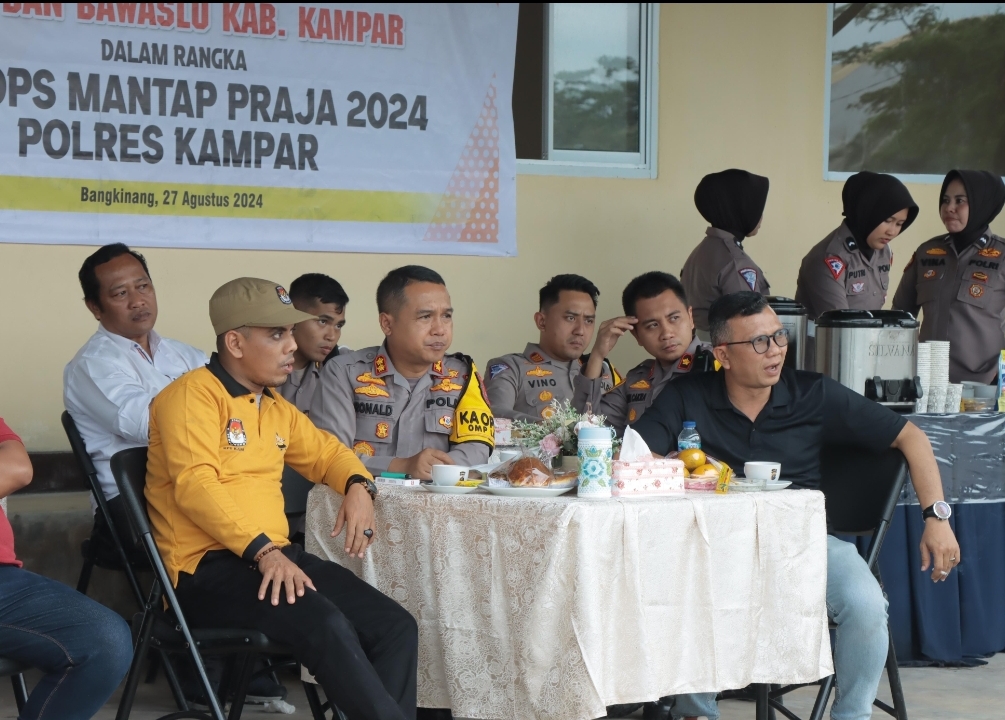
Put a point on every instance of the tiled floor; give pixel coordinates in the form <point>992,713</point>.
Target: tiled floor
<point>942,693</point>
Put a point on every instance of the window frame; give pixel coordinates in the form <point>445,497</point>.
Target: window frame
<point>593,163</point>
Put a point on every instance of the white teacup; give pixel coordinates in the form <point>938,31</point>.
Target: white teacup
<point>762,472</point>
<point>449,474</point>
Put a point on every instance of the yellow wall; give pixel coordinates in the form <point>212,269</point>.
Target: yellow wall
<point>740,86</point>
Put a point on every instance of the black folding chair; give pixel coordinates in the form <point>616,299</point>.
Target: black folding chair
<point>14,669</point>
<point>862,489</point>
<point>169,630</point>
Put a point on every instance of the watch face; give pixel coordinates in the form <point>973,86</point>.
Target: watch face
<point>942,510</point>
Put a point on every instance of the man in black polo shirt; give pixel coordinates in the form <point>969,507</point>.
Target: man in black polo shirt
<point>756,409</point>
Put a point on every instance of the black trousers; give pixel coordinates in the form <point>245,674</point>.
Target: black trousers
<point>360,645</point>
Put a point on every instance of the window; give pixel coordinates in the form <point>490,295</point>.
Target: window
<point>914,89</point>
<point>584,91</point>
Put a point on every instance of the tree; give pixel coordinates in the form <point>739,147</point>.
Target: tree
<point>598,108</point>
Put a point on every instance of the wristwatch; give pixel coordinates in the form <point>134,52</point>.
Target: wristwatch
<point>940,510</point>
<point>370,486</point>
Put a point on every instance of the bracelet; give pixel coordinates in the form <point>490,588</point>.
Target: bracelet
<point>274,547</point>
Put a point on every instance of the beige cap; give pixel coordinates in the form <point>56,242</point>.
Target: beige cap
<point>252,302</point>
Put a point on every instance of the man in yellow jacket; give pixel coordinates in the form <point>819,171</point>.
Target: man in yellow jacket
<point>219,437</point>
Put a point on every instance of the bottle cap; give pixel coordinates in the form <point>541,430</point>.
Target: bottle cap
<point>689,424</point>
<point>595,433</point>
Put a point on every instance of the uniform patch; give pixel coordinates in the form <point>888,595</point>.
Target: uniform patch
<point>685,362</point>
<point>749,276</point>
<point>640,385</point>
<point>446,421</point>
<point>539,372</point>
<point>857,287</point>
<point>632,415</point>
<point>989,252</point>
<point>363,449</point>
<point>438,367</point>
<point>545,396</point>
<point>368,378</point>
<point>976,290</point>
<point>496,369</point>
<point>382,430</point>
<point>936,251</point>
<point>380,364</point>
<point>235,433</point>
<point>835,265</point>
<point>283,295</point>
<point>983,277</point>
<point>536,357</point>
<point>371,391</point>
<point>280,443</point>
<point>929,274</point>
<point>453,373</point>
<point>445,385</point>
<point>547,412</point>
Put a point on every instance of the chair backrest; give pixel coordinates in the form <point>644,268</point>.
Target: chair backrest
<point>80,452</point>
<point>295,490</point>
<point>862,488</point>
<point>129,468</point>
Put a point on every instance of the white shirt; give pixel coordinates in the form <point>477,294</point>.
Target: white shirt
<point>108,387</point>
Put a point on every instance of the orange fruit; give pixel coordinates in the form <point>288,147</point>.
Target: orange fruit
<point>692,458</point>
<point>705,471</point>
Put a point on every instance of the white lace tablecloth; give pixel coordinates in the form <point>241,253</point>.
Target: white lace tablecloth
<point>556,608</point>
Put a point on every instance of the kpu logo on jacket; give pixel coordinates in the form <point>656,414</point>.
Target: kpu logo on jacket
<point>235,433</point>
<point>283,295</point>
<point>749,276</point>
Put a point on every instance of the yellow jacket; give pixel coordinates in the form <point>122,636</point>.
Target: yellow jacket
<point>215,465</point>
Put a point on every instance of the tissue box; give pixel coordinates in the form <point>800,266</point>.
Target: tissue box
<point>504,430</point>
<point>648,477</point>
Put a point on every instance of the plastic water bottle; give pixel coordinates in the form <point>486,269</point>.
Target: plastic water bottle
<point>688,437</point>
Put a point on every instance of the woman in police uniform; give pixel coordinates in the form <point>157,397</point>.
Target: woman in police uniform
<point>850,268</point>
<point>958,279</point>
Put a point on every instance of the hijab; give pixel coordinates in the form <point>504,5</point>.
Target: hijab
<point>732,200</point>
<point>985,196</point>
<point>869,199</point>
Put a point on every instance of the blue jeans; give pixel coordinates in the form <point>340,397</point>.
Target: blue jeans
<point>693,705</point>
<point>83,648</point>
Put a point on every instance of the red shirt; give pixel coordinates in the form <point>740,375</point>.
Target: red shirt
<point>6,532</point>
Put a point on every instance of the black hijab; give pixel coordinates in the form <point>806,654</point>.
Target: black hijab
<point>732,200</point>
<point>870,198</point>
<point>985,196</point>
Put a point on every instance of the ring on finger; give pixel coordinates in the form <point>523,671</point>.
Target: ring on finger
<point>944,573</point>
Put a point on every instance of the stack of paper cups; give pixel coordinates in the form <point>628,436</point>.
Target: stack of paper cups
<point>937,399</point>
<point>954,396</point>
<point>939,375</point>
<point>925,375</point>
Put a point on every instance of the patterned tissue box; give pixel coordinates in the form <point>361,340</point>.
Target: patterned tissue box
<point>648,477</point>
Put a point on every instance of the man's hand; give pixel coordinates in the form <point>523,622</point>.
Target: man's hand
<point>421,465</point>
<point>279,570</point>
<point>356,514</point>
<point>939,545</point>
<point>607,337</point>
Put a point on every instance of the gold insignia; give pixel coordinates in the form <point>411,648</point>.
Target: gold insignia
<point>438,367</point>
<point>454,373</point>
<point>989,252</point>
<point>632,415</point>
<point>539,372</point>
<point>640,385</point>
<point>382,430</point>
<point>545,396</point>
<point>363,449</point>
<point>685,362</point>
<point>368,378</point>
<point>976,290</point>
<point>371,391</point>
<point>536,357</point>
<point>445,385</point>
<point>935,251</point>
<point>983,277</point>
<point>380,364</point>
<point>547,412</point>
<point>446,421</point>
<point>929,274</point>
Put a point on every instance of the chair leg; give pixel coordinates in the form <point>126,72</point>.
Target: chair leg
<point>85,577</point>
<point>20,691</point>
<point>896,689</point>
<point>823,696</point>
<point>243,669</point>
<point>136,666</point>
<point>172,679</point>
<point>761,699</point>
<point>317,708</point>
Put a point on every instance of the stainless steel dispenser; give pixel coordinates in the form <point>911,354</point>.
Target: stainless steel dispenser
<point>873,352</point>
<point>792,315</point>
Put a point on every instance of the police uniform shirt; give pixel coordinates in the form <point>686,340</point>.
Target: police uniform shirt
<point>836,275</point>
<point>299,387</point>
<point>625,403</point>
<point>521,386</point>
<point>719,266</point>
<point>368,405</point>
<point>962,297</point>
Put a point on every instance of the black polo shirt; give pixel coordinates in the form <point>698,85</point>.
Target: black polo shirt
<point>805,412</point>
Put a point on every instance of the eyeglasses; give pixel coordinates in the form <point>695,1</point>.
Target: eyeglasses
<point>761,343</point>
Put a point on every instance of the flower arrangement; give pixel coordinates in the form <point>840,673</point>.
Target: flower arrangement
<point>557,434</point>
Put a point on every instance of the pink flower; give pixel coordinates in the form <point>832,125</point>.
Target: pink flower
<point>550,445</point>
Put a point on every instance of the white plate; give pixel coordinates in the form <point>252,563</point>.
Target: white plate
<point>450,489</point>
<point>777,484</point>
<point>529,492</point>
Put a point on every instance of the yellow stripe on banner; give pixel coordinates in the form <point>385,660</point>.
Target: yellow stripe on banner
<point>229,201</point>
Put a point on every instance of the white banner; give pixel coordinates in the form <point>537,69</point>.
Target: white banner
<point>364,128</point>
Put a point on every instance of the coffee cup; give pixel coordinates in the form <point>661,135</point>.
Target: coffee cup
<point>762,472</point>
<point>449,474</point>
<point>506,455</point>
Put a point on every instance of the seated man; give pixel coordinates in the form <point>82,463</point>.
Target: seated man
<point>219,437</point>
<point>109,383</point>
<point>317,339</point>
<point>82,648</point>
<point>756,409</point>
<point>658,316</point>
<point>407,405</point>
<point>522,386</point>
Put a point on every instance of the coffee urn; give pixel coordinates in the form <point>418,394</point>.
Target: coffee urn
<point>792,315</point>
<point>873,352</point>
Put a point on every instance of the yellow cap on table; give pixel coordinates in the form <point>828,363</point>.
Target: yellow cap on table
<point>252,302</point>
